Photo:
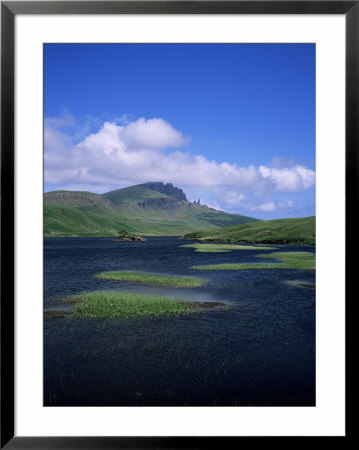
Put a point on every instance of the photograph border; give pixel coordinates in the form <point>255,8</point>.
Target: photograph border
<point>8,12</point>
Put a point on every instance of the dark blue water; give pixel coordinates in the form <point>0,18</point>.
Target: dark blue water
<point>260,351</point>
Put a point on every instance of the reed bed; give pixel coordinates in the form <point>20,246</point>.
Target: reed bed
<point>287,260</point>
<point>224,248</point>
<point>149,278</point>
<point>119,304</point>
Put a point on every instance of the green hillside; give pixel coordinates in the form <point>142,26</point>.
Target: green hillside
<point>130,196</point>
<point>280,231</point>
<point>141,209</point>
<point>68,213</point>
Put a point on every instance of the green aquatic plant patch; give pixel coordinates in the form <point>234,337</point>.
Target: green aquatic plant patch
<point>224,248</point>
<point>286,260</point>
<point>57,313</point>
<point>122,304</point>
<point>149,278</point>
<point>208,249</point>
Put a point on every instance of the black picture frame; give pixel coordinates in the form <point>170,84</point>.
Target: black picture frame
<point>9,9</point>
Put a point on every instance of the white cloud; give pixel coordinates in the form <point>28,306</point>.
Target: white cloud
<point>66,120</point>
<point>141,135</point>
<point>293,179</point>
<point>280,163</point>
<point>271,206</point>
<point>151,134</point>
<point>124,119</point>
<point>136,152</point>
<point>233,197</point>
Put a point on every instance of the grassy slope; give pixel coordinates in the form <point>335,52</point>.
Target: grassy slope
<point>70,213</point>
<point>171,221</point>
<point>80,214</point>
<point>280,231</point>
<point>131,195</point>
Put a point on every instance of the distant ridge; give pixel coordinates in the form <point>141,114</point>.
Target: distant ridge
<point>152,208</point>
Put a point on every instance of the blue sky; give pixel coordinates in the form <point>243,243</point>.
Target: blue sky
<point>233,124</point>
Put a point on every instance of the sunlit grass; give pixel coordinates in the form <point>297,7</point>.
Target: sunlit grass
<point>224,248</point>
<point>120,304</point>
<point>299,231</point>
<point>149,278</point>
<point>287,260</point>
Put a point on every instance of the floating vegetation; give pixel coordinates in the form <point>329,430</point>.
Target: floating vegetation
<point>210,305</point>
<point>287,260</point>
<point>122,304</point>
<point>302,284</point>
<point>148,278</point>
<point>224,248</point>
<point>306,285</point>
<point>57,313</point>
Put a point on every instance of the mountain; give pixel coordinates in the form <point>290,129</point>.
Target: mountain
<point>152,208</point>
<point>279,231</point>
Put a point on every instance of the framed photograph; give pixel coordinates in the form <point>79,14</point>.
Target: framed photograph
<point>176,184</point>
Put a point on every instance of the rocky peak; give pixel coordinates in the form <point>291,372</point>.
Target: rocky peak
<point>167,189</point>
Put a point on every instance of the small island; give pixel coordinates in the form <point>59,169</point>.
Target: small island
<point>124,235</point>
